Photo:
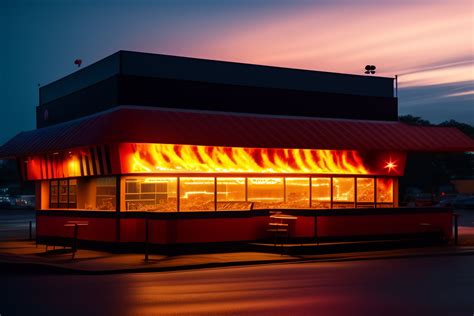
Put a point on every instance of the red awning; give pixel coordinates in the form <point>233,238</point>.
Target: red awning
<point>156,125</point>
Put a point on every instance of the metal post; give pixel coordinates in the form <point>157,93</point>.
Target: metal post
<point>146,238</point>
<point>31,225</point>
<point>246,189</point>
<point>316,229</point>
<point>375,192</point>
<point>332,185</point>
<point>74,242</point>
<point>215,193</point>
<point>118,206</point>
<point>456,216</point>
<point>178,193</point>
<point>396,86</point>
<point>36,231</point>
<point>355,192</point>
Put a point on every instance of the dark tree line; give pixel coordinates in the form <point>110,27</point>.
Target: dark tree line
<point>10,178</point>
<point>416,120</point>
<point>430,171</point>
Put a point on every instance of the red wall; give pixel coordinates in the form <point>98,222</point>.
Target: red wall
<point>330,226</point>
<point>194,230</point>
<point>171,231</point>
<point>99,229</point>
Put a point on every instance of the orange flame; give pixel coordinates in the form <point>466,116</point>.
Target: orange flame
<point>384,190</point>
<point>149,158</point>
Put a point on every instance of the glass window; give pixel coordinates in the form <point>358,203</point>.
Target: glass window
<point>95,193</point>
<point>151,194</point>
<point>365,191</point>
<point>63,193</point>
<point>196,194</point>
<point>53,189</point>
<point>297,192</point>
<point>321,193</point>
<point>83,194</point>
<point>266,192</point>
<point>132,186</point>
<point>231,194</point>
<point>86,192</point>
<point>230,189</point>
<point>72,193</point>
<point>106,193</point>
<point>343,192</point>
<point>384,190</point>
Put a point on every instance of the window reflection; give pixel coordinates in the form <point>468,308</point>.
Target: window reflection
<point>63,194</point>
<point>343,192</point>
<point>266,192</point>
<point>106,193</point>
<point>150,194</point>
<point>230,189</point>
<point>384,190</point>
<point>72,192</point>
<point>83,194</point>
<point>297,193</point>
<point>53,190</point>
<point>365,192</point>
<point>321,193</point>
<point>160,194</point>
<point>196,194</point>
<point>231,194</point>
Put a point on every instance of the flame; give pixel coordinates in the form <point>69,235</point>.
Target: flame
<point>149,158</point>
<point>385,190</point>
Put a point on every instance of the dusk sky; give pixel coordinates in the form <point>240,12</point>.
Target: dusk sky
<point>428,43</point>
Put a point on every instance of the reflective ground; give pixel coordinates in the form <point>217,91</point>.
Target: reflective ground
<point>14,224</point>
<point>424,286</point>
<point>415,286</point>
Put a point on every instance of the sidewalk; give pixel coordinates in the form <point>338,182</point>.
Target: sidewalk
<point>25,256</point>
<point>20,255</point>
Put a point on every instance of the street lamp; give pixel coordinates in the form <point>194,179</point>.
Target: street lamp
<point>370,69</point>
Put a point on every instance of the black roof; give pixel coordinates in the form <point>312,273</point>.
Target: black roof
<point>213,71</point>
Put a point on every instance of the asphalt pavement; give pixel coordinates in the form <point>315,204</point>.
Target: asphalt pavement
<point>417,286</point>
<point>389,283</point>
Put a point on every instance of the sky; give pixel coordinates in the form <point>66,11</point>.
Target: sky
<point>428,44</point>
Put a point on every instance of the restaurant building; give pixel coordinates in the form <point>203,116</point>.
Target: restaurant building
<point>204,151</point>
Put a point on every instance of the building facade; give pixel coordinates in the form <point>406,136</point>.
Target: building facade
<point>203,151</point>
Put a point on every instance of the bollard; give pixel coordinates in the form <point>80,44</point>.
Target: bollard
<point>456,216</point>
<point>31,225</point>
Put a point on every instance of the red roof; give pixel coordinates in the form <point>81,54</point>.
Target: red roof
<point>168,126</point>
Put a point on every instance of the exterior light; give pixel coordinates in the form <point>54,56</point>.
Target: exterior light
<point>391,165</point>
<point>370,69</point>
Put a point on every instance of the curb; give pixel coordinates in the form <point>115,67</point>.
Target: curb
<point>40,267</point>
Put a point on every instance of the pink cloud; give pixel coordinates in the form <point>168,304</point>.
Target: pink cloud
<point>344,38</point>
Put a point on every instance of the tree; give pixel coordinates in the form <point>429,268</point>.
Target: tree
<point>413,120</point>
<point>429,171</point>
<point>463,127</point>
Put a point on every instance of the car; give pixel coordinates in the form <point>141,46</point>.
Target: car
<point>446,201</point>
<point>424,199</point>
<point>464,203</point>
